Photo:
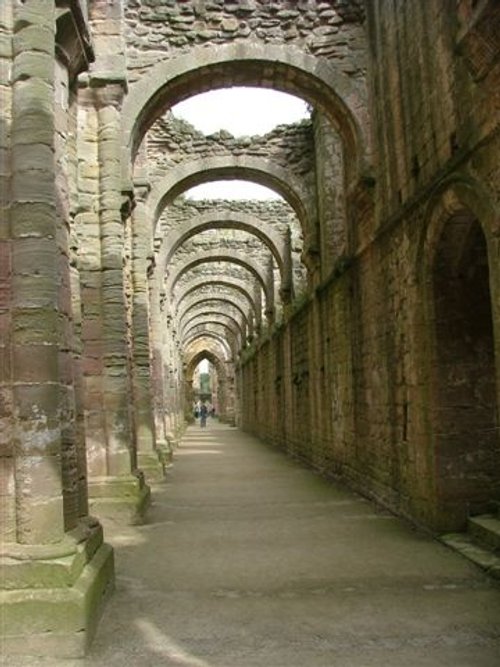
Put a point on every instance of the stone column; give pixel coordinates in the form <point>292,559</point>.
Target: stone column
<point>7,465</point>
<point>174,416</point>
<point>287,291</point>
<point>270,309</point>
<point>227,394</point>
<point>167,361</point>
<point>189,400</point>
<point>145,436</point>
<point>251,326</point>
<point>317,415</point>
<point>330,170</point>
<point>257,295</point>
<point>116,486</point>
<point>56,569</point>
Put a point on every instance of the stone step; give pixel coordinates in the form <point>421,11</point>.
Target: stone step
<point>485,530</point>
<point>465,544</point>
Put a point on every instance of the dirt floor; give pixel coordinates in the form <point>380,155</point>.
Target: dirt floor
<point>248,559</point>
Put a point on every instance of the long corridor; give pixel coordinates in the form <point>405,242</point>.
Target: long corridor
<point>247,559</point>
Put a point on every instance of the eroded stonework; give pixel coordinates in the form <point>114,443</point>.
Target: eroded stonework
<point>354,323</point>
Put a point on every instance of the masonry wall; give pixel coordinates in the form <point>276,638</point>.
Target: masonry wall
<point>172,141</point>
<point>328,29</point>
<point>362,352</point>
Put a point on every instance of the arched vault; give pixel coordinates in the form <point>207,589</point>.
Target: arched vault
<point>213,301</point>
<point>208,340</point>
<point>231,284</point>
<point>224,220</point>
<point>216,316</point>
<point>236,258</point>
<point>191,362</point>
<point>230,167</point>
<point>340,97</point>
<point>224,331</point>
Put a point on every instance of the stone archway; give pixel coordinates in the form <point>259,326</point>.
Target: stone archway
<point>206,312</point>
<point>224,220</point>
<point>225,388</point>
<point>230,285</point>
<point>258,170</point>
<point>220,302</point>
<point>463,370</point>
<point>191,362</point>
<point>247,263</point>
<point>465,412</point>
<point>271,66</point>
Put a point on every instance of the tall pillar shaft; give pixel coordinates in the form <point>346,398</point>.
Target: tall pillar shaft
<point>144,422</point>
<point>55,569</point>
<point>158,381</point>
<point>116,485</point>
<point>35,306</point>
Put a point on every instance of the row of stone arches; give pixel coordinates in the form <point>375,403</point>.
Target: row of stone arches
<point>384,371</point>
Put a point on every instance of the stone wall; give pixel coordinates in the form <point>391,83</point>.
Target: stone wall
<point>171,141</point>
<point>382,399</point>
<point>276,213</point>
<point>430,110</point>
<point>161,30</point>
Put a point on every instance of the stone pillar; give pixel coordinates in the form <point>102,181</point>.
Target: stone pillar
<point>157,335</point>
<point>173,388</point>
<point>257,295</point>
<point>251,326</point>
<point>228,394</point>
<point>331,194</point>
<point>287,291</point>
<point>7,465</point>
<point>55,568</point>
<point>148,458</point>
<point>188,401</point>
<point>170,405</point>
<point>270,283</point>
<point>116,486</point>
<point>316,393</point>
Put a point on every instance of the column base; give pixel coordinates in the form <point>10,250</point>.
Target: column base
<point>122,499</point>
<point>166,448</point>
<point>152,465</point>
<point>53,595</point>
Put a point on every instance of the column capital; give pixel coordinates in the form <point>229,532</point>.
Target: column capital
<point>108,88</point>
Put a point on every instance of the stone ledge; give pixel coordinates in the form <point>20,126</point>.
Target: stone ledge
<point>152,465</point>
<point>58,621</point>
<point>486,530</point>
<point>123,499</point>
<point>55,571</point>
<point>464,545</point>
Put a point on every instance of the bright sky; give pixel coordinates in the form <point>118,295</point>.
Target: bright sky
<point>231,190</point>
<point>243,112</point>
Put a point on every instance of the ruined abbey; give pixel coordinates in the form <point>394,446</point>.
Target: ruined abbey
<point>353,324</point>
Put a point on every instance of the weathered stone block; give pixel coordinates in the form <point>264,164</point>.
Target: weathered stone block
<point>33,64</point>
<point>33,218</point>
<point>35,363</point>
<point>30,292</point>
<point>37,402</point>
<point>58,621</point>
